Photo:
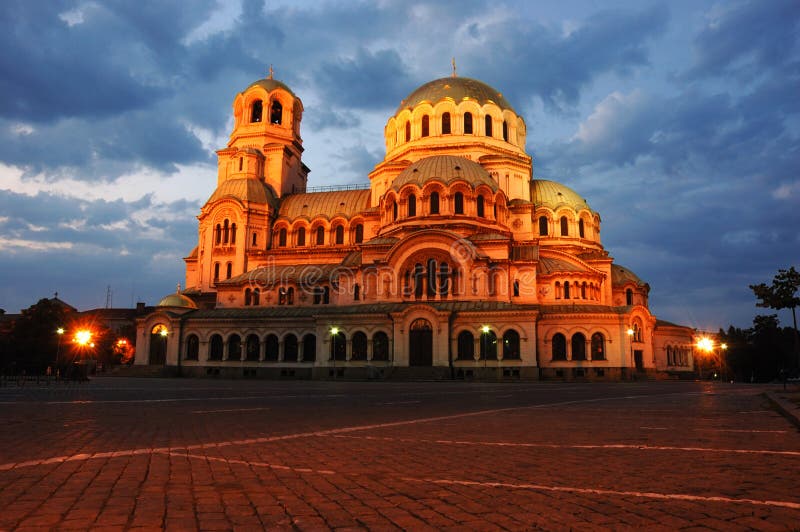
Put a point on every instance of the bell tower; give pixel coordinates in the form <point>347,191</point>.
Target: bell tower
<point>265,143</point>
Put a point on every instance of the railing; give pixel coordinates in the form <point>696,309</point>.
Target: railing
<point>337,188</point>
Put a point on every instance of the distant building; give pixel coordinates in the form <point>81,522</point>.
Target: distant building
<point>453,262</point>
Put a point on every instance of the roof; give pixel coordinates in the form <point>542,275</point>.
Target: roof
<point>244,189</point>
<point>177,300</point>
<point>621,276</point>
<point>270,275</point>
<point>455,89</point>
<point>444,168</point>
<point>550,265</point>
<point>270,85</point>
<point>554,195</point>
<point>347,203</point>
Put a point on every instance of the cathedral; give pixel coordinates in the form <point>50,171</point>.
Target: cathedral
<point>453,262</point>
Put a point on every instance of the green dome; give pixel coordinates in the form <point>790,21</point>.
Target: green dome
<point>177,300</point>
<point>554,195</point>
<point>270,85</point>
<point>456,89</point>
<point>444,168</point>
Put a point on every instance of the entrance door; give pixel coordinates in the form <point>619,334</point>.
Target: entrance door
<point>638,360</point>
<point>420,349</point>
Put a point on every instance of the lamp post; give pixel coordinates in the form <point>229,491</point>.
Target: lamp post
<point>630,333</point>
<point>484,334</point>
<point>60,332</point>
<point>334,334</point>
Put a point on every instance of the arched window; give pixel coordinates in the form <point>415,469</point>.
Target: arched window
<point>338,346</point>
<point>228,270</point>
<point>290,296</point>
<point>290,348</point>
<point>511,345</point>
<point>488,125</point>
<point>356,292</point>
<point>578,347</point>
<point>276,113</point>
<point>408,131</point>
<point>234,347</point>
<point>339,235</point>
<point>426,127</point>
<point>192,347</point>
<point>488,346</point>
<point>516,288</point>
<point>281,296</point>
<point>566,289</point>
<point>434,203</point>
<point>309,348</point>
<point>256,111</point>
<point>446,124</point>
<point>481,206</point>
<point>252,347</point>
<point>394,211</point>
<point>564,226</point>
<point>412,205</point>
<point>233,233</point>
<point>505,131</point>
<point>468,123</point>
<point>558,290</point>
<point>301,236</point>
<point>583,290</point>
<point>380,346</point>
<point>598,347</point>
<point>271,348</point>
<point>326,295</point>
<point>466,346</point>
<point>419,275</point>
<point>241,163</point>
<point>256,296</point>
<point>359,346</point>
<point>218,234</point>
<point>458,203</point>
<point>432,271</point>
<point>320,235</point>
<point>215,348</point>
<point>444,279</point>
<point>216,271</point>
<point>581,231</point>
<point>359,234</point>
<point>255,239</point>
<point>559,347</point>
<point>225,232</point>
<point>542,225</point>
<point>629,297</point>
<point>247,297</point>
<point>282,237</point>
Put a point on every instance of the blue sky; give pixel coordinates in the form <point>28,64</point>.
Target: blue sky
<point>678,121</point>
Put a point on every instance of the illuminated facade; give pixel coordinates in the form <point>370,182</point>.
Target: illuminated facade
<point>452,263</point>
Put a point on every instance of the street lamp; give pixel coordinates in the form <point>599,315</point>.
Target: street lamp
<point>630,333</point>
<point>485,330</point>
<point>334,334</point>
<point>60,332</point>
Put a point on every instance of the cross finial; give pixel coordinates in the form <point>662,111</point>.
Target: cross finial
<point>271,72</point>
<point>179,288</point>
<point>453,62</point>
<point>56,295</point>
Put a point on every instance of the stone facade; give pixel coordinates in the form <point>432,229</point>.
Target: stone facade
<point>454,262</point>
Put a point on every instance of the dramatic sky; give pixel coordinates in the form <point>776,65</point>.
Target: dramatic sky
<point>678,121</point>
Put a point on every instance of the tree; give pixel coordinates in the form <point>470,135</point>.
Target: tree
<point>781,294</point>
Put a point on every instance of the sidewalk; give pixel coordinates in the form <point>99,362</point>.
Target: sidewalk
<point>787,402</point>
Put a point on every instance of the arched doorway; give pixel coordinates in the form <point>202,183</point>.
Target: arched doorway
<point>420,349</point>
<point>158,345</point>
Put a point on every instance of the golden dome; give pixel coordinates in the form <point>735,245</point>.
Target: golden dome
<point>554,195</point>
<point>244,189</point>
<point>456,89</point>
<point>621,276</point>
<point>444,168</point>
<point>177,300</point>
<point>269,85</point>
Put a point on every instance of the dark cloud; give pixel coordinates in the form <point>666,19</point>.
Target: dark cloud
<point>320,118</point>
<point>367,81</point>
<point>747,38</point>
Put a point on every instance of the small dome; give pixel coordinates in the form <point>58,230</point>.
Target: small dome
<point>270,85</point>
<point>554,195</point>
<point>444,168</point>
<point>456,89</point>
<point>177,300</point>
<point>621,276</point>
<point>244,189</point>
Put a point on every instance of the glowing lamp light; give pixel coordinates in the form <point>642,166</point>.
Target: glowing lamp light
<point>60,330</point>
<point>485,329</point>
<point>705,344</point>
<point>83,337</point>
<point>334,331</point>
<point>163,332</point>
<point>629,332</point>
